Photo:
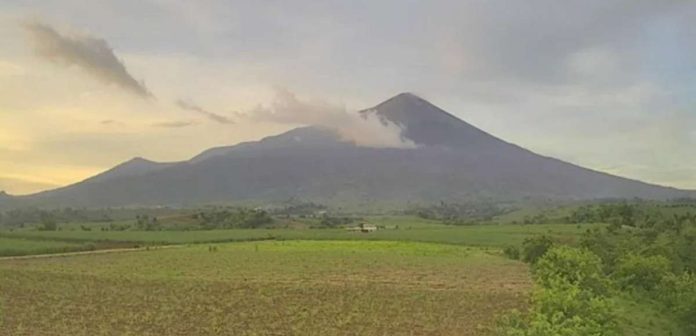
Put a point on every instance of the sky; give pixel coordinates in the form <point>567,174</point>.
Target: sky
<point>85,85</point>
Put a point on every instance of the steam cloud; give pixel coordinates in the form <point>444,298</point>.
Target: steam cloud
<point>210,115</point>
<point>368,130</point>
<point>93,55</point>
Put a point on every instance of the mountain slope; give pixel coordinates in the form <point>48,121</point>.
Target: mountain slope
<point>454,161</point>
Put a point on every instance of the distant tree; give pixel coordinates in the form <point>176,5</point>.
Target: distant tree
<point>48,222</point>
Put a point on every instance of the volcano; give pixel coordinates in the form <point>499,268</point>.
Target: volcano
<point>453,161</point>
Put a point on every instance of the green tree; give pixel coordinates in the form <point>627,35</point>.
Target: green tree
<point>678,293</point>
<point>641,272</point>
<point>534,248</point>
<point>578,267</point>
<point>48,222</point>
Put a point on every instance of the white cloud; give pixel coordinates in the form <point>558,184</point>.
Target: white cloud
<point>369,131</point>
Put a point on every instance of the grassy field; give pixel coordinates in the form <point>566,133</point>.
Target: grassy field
<point>264,288</point>
<point>20,246</point>
<point>478,235</point>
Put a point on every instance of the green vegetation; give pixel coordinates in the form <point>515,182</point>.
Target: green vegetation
<point>480,235</point>
<point>461,213</point>
<point>264,288</point>
<point>34,217</point>
<point>571,299</point>
<point>643,258</point>
<point>637,316</point>
<point>19,246</point>
<point>613,268</point>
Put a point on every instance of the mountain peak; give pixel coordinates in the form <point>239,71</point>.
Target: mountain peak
<point>135,166</point>
<point>408,99</point>
<point>429,125</point>
<point>138,160</point>
<point>407,95</point>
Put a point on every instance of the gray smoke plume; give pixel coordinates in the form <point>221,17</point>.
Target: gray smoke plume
<point>210,115</point>
<point>91,54</point>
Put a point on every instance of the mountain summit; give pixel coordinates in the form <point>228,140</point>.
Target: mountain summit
<point>427,124</point>
<point>453,161</point>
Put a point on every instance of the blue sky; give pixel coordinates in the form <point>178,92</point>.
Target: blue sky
<point>605,84</point>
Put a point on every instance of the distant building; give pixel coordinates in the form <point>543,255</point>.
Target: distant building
<point>363,227</point>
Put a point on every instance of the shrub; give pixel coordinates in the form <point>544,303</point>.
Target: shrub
<point>678,292</point>
<point>535,247</point>
<point>569,309</point>
<point>573,266</point>
<point>562,310</point>
<point>512,252</point>
<point>570,301</point>
<point>641,272</point>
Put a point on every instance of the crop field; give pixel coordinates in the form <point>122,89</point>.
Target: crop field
<point>477,235</point>
<point>19,246</point>
<point>264,288</point>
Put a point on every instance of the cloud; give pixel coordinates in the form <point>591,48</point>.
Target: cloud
<point>218,118</point>
<point>108,122</point>
<point>91,54</point>
<point>174,124</point>
<point>368,130</point>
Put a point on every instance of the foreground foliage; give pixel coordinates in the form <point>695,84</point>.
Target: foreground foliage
<point>571,299</point>
<point>641,255</point>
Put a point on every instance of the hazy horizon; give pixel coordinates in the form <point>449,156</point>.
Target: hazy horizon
<point>607,85</point>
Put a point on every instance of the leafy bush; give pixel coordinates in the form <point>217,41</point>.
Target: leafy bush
<point>578,267</point>
<point>647,253</point>
<point>569,309</point>
<point>512,252</point>
<point>678,292</point>
<point>562,310</point>
<point>571,299</point>
<point>640,272</point>
<point>535,247</point>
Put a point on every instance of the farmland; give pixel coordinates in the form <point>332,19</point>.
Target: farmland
<point>20,246</point>
<point>413,276</point>
<point>269,288</point>
<point>496,236</point>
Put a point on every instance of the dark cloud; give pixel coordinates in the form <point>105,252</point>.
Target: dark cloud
<point>174,124</point>
<point>93,55</point>
<point>218,118</point>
